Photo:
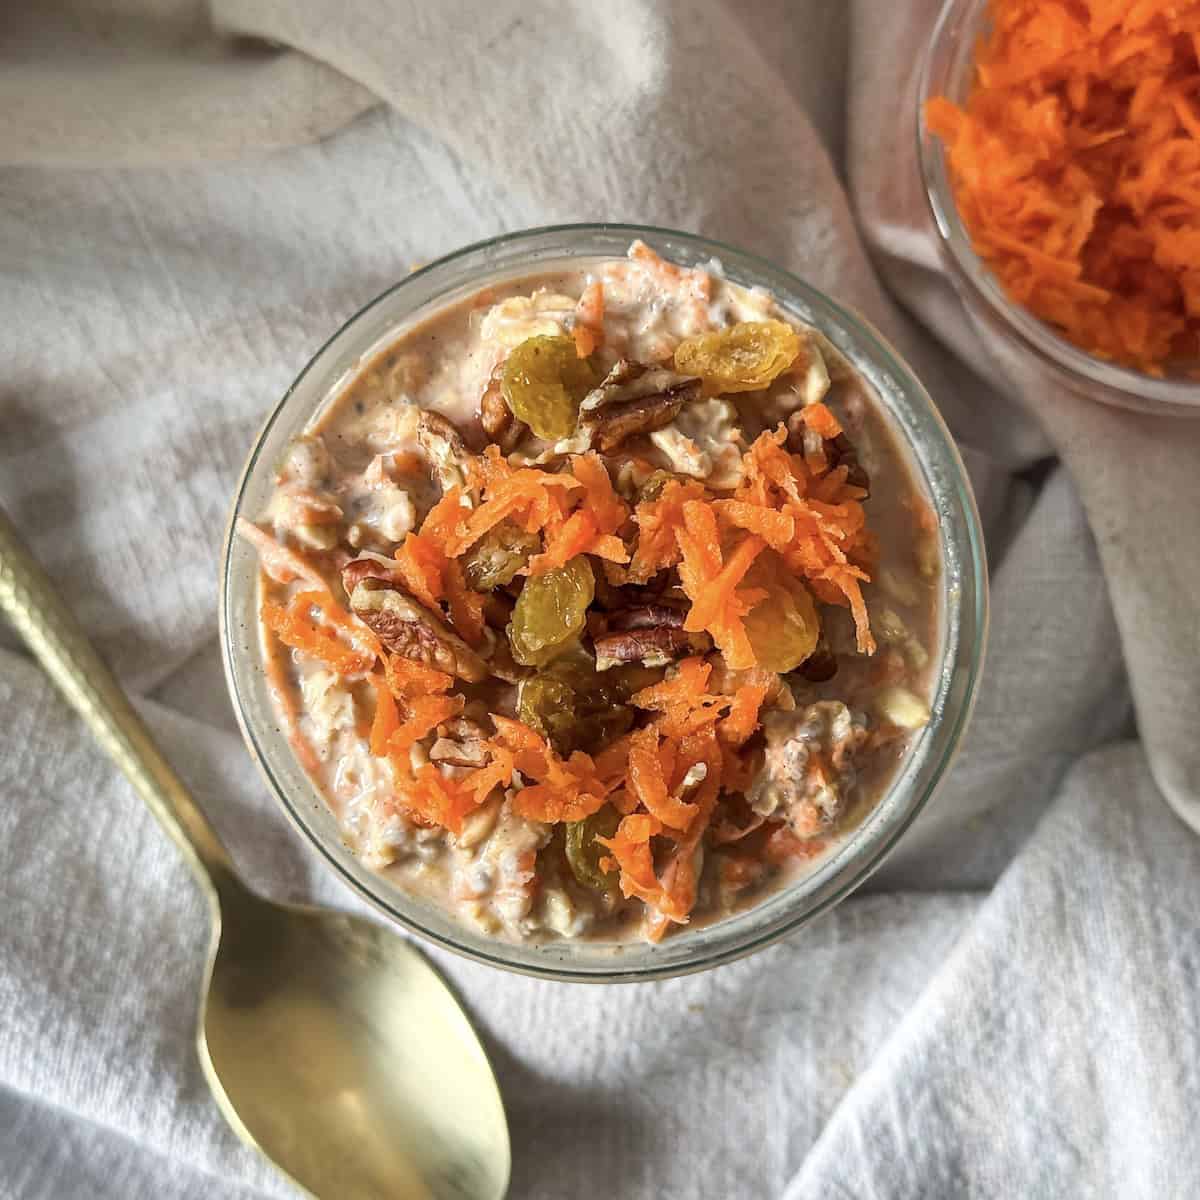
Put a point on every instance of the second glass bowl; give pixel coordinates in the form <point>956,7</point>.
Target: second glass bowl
<point>948,71</point>
<point>936,466</point>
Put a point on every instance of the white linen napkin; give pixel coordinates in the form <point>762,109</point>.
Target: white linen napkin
<point>1011,1008</point>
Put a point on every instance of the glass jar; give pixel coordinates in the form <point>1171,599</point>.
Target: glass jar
<point>948,71</point>
<point>936,467</point>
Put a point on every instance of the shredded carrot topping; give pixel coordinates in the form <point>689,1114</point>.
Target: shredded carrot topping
<point>409,679</point>
<point>742,719</point>
<point>352,653</point>
<point>657,521</point>
<point>691,735</point>
<point>589,320</point>
<point>422,565</point>
<point>466,606</point>
<point>820,419</point>
<point>1076,169</point>
<point>387,717</point>
<point>649,781</point>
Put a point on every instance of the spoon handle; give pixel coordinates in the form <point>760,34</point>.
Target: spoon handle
<point>33,605</point>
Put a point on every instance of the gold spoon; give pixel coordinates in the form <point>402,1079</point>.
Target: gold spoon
<point>328,1042</point>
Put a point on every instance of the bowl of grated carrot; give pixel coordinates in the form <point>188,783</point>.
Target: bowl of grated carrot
<point>603,603</point>
<point>1060,147</point>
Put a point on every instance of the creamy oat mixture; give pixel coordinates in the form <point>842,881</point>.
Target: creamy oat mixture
<point>600,603</point>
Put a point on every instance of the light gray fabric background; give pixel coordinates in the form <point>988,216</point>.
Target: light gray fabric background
<point>1009,1010</point>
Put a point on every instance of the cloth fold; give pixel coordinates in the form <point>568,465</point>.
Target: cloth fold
<point>1008,1008</point>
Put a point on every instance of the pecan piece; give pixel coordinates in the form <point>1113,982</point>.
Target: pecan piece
<point>445,449</point>
<point>654,646</point>
<point>497,419</point>
<point>408,628</point>
<point>653,615</point>
<point>367,567</point>
<point>632,399</point>
<point>460,743</point>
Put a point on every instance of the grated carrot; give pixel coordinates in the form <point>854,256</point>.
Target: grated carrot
<point>408,678</point>
<point>295,626</point>
<point>683,702</point>
<point>742,719</point>
<point>421,717</point>
<point>590,528</point>
<point>466,606</point>
<point>387,717</point>
<point>657,521</point>
<point>649,782</point>
<point>1075,163</point>
<point>422,566</point>
<point>589,320</point>
<point>712,584</point>
<point>820,419</point>
<point>279,562</point>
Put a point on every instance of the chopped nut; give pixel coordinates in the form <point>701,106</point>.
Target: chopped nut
<point>649,616</point>
<point>369,566</point>
<point>446,752</point>
<point>651,633</point>
<point>497,419</point>
<point>899,706</point>
<point>409,629</point>
<point>814,374</point>
<point>651,647</point>
<point>633,399</point>
<point>479,824</point>
<point>445,448</point>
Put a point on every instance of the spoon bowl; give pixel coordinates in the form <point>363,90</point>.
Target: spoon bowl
<point>329,1043</point>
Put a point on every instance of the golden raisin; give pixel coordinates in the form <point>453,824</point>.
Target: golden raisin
<point>783,629</point>
<point>544,380</point>
<point>551,612</point>
<point>742,358</point>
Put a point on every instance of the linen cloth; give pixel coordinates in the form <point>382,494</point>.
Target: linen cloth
<point>1009,1008</point>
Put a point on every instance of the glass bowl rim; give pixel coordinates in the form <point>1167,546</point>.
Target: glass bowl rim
<point>970,656</point>
<point>1077,366</point>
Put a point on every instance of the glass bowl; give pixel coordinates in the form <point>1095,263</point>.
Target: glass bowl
<point>935,464</point>
<point>948,71</point>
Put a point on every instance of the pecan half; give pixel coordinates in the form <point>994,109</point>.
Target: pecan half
<point>653,615</point>
<point>632,399</point>
<point>408,628</point>
<point>445,449</point>
<point>654,646</point>
<point>497,419</point>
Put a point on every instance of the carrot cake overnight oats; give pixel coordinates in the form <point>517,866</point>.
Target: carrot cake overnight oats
<point>599,603</point>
